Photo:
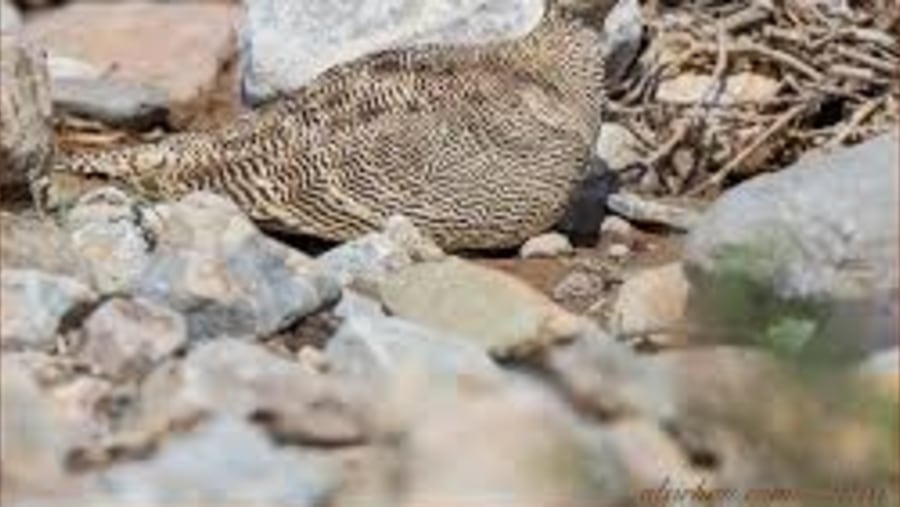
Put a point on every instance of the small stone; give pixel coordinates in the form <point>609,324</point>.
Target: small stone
<point>108,230</point>
<point>127,338</point>
<point>546,245</point>
<point>642,210</point>
<point>367,260</point>
<point>617,146</point>
<point>500,313</point>
<point>618,227</point>
<point>652,298</point>
<point>215,267</point>
<point>119,104</point>
<point>619,251</point>
<point>34,304</point>
<point>25,118</point>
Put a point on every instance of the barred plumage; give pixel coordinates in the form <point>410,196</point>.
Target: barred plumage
<point>480,146</point>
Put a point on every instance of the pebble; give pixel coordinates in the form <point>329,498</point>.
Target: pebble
<point>546,245</point>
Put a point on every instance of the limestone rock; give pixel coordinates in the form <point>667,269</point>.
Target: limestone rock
<point>497,311</point>
<point>127,338</point>
<point>214,266</point>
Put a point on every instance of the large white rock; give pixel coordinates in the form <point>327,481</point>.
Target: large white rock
<point>285,44</point>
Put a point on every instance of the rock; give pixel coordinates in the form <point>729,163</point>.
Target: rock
<point>814,232</point>
<point>29,243</point>
<point>354,304</point>
<point>500,313</point>
<point>617,146</point>
<point>522,447</point>
<point>624,28</point>
<point>375,351</point>
<point>224,462</point>
<point>237,378</point>
<point>33,442</point>
<point>25,118</point>
<point>748,440</point>
<point>10,19</point>
<point>126,338</point>
<point>693,88</point>
<point>618,251</point>
<point>652,298</point>
<point>286,44</point>
<point>367,260</point>
<point>580,289</point>
<point>618,227</point>
<point>34,305</point>
<point>78,405</point>
<point>642,210</point>
<point>190,41</point>
<point>214,266</point>
<point>108,230</point>
<point>117,103</point>
<point>62,68</point>
<point>608,379</point>
<point>551,244</point>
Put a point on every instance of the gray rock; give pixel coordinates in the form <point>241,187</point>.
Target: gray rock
<point>285,44</point>
<point>367,260</point>
<point>119,104</point>
<point>551,244</point>
<point>641,210</point>
<point>498,312</point>
<point>224,462</point>
<point>354,304</point>
<point>238,378</point>
<point>816,231</point>
<point>108,229</point>
<point>214,266</point>
<point>33,442</point>
<point>375,351</point>
<point>623,27</point>
<point>34,304</point>
<point>27,242</point>
<point>127,338</point>
<point>25,117</point>
<point>10,19</point>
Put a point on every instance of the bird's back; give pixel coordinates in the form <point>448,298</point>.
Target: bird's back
<point>479,146</point>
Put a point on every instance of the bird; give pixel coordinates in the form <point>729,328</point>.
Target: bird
<point>480,146</point>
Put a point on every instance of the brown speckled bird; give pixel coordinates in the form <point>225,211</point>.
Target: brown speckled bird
<point>480,146</point>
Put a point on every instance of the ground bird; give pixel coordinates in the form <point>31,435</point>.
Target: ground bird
<point>480,146</point>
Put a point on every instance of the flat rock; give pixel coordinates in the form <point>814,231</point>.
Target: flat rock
<point>500,313</point>
<point>34,304</point>
<point>117,103</point>
<point>25,117</point>
<point>617,146</point>
<point>110,233</point>
<point>234,377</point>
<point>815,231</point>
<point>285,44</point>
<point>213,265</point>
<point>190,41</point>
<point>126,338</point>
<point>225,461</point>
